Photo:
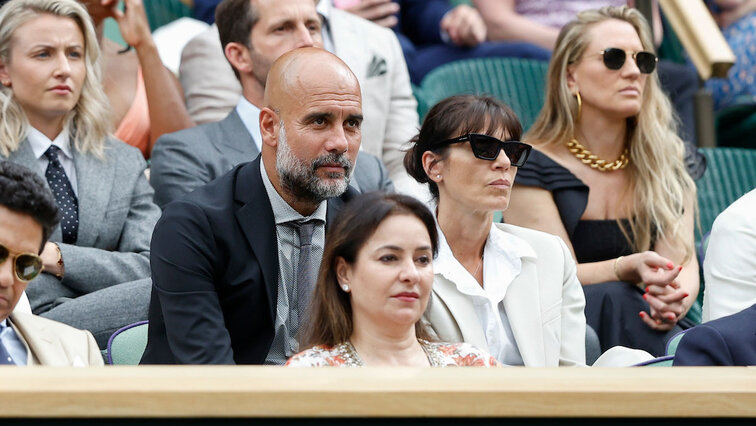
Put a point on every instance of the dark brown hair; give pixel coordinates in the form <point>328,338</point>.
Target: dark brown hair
<point>456,116</point>
<point>331,322</point>
<point>235,20</point>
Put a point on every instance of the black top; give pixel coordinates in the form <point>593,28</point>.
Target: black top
<point>592,240</point>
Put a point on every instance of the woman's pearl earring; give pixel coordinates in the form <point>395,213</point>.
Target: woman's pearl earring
<point>345,287</point>
<point>438,176</point>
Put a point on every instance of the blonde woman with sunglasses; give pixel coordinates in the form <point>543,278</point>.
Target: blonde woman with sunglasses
<point>508,290</point>
<point>608,176</point>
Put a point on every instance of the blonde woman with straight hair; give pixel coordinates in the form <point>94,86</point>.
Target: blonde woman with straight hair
<point>55,120</point>
<point>608,176</point>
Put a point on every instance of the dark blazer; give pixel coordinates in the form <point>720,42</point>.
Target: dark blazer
<point>729,340</point>
<point>215,273</point>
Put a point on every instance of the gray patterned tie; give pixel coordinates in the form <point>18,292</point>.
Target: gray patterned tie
<point>64,196</point>
<point>305,272</point>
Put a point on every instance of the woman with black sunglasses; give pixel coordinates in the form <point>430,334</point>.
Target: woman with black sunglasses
<point>508,290</point>
<point>608,176</point>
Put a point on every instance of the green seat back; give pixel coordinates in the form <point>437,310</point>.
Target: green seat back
<point>520,83</point>
<point>674,342</point>
<point>127,345</point>
<point>730,173</point>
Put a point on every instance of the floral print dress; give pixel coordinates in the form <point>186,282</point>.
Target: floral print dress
<point>439,355</point>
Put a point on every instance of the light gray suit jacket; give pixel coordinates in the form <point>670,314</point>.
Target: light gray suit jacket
<point>371,51</point>
<point>187,159</point>
<point>54,344</point>
<point>116,218</point>
<point>544,304</point>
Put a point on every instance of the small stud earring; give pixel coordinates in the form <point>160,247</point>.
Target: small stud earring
<point>438,176</point>
<point>345,287</point>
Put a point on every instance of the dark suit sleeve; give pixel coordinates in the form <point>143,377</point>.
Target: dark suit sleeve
<point>703,345</point>
<point>183,268</point>
<point>177,167</point>
<point>421,20</point>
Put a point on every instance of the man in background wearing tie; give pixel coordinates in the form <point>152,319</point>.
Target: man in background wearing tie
<point>28,215</point>
<point>234,262</point>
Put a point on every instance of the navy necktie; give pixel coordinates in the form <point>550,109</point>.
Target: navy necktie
<point>64,196</point>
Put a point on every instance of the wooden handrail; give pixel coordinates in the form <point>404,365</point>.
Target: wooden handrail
<point>233,392</point>
<point>700,36</point>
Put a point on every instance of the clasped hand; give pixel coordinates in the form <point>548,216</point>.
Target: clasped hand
<point>664,294</point>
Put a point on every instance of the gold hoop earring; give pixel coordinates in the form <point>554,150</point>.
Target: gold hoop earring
<point>579,106</point>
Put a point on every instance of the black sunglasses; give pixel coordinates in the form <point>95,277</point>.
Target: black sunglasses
<point>487,148</point>
<point>26,265</point>
<point>614,59</point>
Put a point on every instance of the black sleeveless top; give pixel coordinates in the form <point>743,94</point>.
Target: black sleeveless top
<point>592,240</point>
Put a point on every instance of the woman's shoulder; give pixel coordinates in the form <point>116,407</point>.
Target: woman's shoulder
<point>460,355</point>
<point>543,171</point>
<point>321,356</point>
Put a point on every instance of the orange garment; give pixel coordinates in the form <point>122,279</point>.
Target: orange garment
<point>134,128</point>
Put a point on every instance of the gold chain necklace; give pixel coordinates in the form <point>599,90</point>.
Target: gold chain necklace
<point>583,154</point>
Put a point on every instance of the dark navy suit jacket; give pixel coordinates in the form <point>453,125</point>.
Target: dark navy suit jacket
<point>730,340</point>
<point>215,273</point>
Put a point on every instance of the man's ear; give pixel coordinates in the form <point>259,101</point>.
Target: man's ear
<point>239,58</point>
<point>269,126</point>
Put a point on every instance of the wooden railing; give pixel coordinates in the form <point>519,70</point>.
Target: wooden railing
<point>275,392</point>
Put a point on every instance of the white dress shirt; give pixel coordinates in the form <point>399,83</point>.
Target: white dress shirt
<point>730,262</point>
<point>250,116</point>
<point>12,343</point>
<point>39,144</point>
<point>501,265</point>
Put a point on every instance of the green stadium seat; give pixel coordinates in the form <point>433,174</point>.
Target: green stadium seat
<point>520,83</point>
<point>126,345</point>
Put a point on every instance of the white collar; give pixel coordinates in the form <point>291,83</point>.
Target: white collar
<point>39,142</point>
<point>250,117</point>
<point>502,262</point>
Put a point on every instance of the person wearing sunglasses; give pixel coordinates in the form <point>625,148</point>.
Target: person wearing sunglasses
<point>609,177</point>
<point>507,290</point>
<point>28,215</point>
<point>55,120</point>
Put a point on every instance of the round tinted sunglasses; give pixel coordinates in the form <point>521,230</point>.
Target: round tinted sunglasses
<point>487,148</point>
<point>614,59</point>
<point>25,265</point>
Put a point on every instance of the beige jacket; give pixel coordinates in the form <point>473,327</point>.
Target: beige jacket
<point>51,343</point>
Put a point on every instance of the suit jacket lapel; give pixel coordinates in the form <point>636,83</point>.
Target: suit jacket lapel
<point>351,51</point>
<point>234,135</point>
<point>255,217</point>
<point>42,348</point>
<point>463,311</point>
<point>95,179</point>
<point>523,307</point>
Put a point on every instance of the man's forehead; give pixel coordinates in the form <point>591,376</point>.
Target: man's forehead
<point>280,9</point>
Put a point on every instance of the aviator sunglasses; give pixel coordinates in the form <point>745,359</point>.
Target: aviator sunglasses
<point>26,265</point>
<point>487,148</point>
<point>614,59</point>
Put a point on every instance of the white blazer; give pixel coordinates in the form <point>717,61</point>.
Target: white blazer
<point>544,304</point>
